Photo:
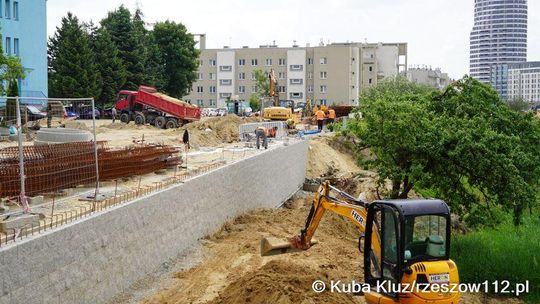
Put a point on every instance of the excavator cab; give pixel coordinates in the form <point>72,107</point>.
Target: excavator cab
<point>412,249</point>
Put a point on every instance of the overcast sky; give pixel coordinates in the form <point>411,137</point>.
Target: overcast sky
<point>437,31</point>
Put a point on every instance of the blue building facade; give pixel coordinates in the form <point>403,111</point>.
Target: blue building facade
<point>498,38</point>
<point>24,34</point>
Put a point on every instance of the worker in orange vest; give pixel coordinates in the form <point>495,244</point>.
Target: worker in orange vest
<point>320,119</point>
<point>331,115</point>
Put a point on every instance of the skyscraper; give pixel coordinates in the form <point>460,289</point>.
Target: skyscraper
<point>498,38</point>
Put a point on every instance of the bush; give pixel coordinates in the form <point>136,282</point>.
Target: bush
<point>504,253</point>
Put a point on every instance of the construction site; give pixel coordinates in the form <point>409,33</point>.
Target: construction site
<point>171,225</point>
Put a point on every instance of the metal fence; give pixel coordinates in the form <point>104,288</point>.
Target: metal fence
<point>22,113</point>
<point>247,131</point>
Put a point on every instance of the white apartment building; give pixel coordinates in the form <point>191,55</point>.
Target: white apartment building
<point>524,81</point>
<point>428,76</point>
<point>325,74</point>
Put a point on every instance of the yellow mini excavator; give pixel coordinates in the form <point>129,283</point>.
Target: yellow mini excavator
<point>405,244</point>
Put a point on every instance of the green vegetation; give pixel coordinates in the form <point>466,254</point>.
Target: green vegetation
<point>86,60</point>
<point>72,68</point>
<point>178,56</point>
<point>504,253</point>
<point>254,103</point>
<point>463,145</point>
<point>262,82</point>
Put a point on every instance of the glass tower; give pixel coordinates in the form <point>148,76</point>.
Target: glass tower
<point>498,38</point>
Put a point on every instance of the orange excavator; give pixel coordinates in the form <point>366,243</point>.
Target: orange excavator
<point>405,244</point>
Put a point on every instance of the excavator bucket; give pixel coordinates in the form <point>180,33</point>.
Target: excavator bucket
<point>274,246</point>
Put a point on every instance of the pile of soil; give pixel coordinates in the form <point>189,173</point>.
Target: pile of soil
<point>233,270</point>
<point>215,131</point>
<point>323,159</point>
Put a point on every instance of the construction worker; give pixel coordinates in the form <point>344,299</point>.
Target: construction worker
<point>331,115</point>
<point>261,132</point>
<point>113,114</point>
<point>320,119</point>
<point>49,115</point>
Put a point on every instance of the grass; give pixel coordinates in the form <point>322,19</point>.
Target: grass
<point>502,253</point>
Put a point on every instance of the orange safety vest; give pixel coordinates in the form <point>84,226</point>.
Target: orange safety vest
<point>320,115</point>
<point>331,114</point>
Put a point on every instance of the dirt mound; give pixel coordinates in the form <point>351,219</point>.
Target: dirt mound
<point>233,270</point>
<point>282,283</point>
<point>215,131</point>
<point>323,159</point>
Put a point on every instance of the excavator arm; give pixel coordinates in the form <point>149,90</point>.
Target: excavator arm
<point>346,206</point>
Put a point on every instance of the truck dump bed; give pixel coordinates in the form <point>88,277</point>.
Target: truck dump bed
<point>180,109</point>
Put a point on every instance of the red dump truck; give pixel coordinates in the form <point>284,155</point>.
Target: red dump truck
<point>147,105</point>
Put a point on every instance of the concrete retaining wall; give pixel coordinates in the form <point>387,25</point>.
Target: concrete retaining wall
<point>92,260</point>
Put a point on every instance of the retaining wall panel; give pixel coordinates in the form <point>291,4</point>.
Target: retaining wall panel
<point>94,259</point>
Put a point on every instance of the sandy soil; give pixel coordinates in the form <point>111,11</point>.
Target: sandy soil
<point>231,269</point>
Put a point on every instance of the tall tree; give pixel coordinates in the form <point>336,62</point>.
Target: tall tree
<point>72,70</point>
<point>463,145</point>
<point>110,66</point>
<point>179,57</point>
<point>130,42</point>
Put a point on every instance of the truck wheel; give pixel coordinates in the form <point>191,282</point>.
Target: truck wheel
<point>140,119</point>
<point>171,124</point>
<point>160,122</point>
<point>125,118</point>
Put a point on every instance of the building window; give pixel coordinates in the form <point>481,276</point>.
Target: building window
<point>241,62</point>
<point>15,10</point>
<point>310,61</point>
<point>282,61</point>
<point>323,75</point>
<point>281,89</point>
<point>8,45</point>
<point>310,75</point>
<point>268,61</point>
<point>200,62</point>
<point>200,76</point>
<point>225,82</point>
<point>370,81</point>
<point>241,89</point>
<point>212,102</point>
<point>297,67</point>
<point>371,69</point>
<point>212,76</point>
<point>254,89</point>
<point>310,89</point>
<point>7,9</point>
<point>323,89</point>
<point>252,76</point>
<point>200,89</point>
<point>323,101</point>
<point>200,102</point>
<point>324,60</point>
<point>296,95</point>
<point>296,81</point>
<point>254,62</point>
<point>225,68</point>
<point>212,62</point>
<point>224,95</point>
<point>16,46</point>
<point>281,75</point>
<point>242,76</point>
<point>212,89</point>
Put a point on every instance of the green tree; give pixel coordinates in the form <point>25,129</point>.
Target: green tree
<point>110,66</point>
<point>178,56</point>
<point>262,83</point>
<point>11,103</point>
<point>72,70</point>
<point>130,42</point>
<point>464,145</point>
<point>254,103</point>
<point>518,104</point>
<point>11,70</point>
